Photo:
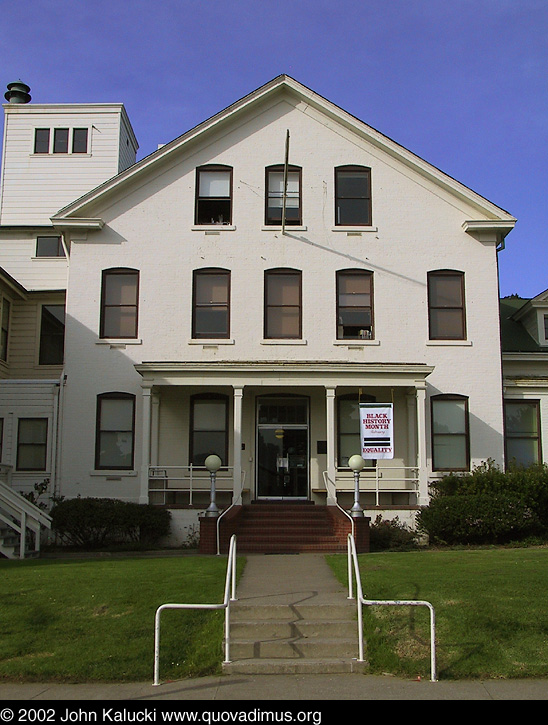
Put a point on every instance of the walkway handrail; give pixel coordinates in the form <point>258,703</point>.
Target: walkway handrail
<point>236,498</point>
<point>326,479</point>
<point>229,596</point>
<point>21,514</point>
<point>353,559</point>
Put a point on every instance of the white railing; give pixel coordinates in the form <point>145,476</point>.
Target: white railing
<point>229,596</point>
<point>361,601</point>
<point>384,481</point>
<point>164,480</point>
<point>332,493</point>
<point>235,501</point>
<point>20,515</point>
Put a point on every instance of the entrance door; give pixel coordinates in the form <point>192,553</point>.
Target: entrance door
<point>282,448</point>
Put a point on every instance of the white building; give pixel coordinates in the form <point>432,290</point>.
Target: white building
<point>198,323</point>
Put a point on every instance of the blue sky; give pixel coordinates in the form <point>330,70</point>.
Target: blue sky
<point>461,83</point>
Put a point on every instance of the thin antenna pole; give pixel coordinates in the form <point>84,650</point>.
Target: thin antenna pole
<point>286,164</point>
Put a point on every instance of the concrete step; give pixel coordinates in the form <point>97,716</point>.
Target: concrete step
<point>298,647</point>
<point>294,666</point>
<point>280,629</point>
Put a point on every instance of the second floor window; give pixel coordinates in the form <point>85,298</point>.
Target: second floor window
<point>354,305</point>
<point>119,303</point>
<point>352,196</point>
<point>211,303</point>
<point>52,335</point>
<point>213,195</point>
<point>5,314</point>
<point>275,184</point>
<point>49,247</point>
<point>283,304</point>
<point>446,311</point>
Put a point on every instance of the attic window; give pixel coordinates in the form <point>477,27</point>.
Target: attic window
<point>213,195</point>
<point>546,327</point>
<point>352,196</point>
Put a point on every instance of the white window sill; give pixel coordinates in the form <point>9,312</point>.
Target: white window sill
<point>213,228</point>
<point>356,343</point>
<point>58,257</point>
<point>119,343</point>
<point>355,229</point>
<point>209,342</point>
<point>113,473</point>
<point>288,228</point>
<point>284,342</point>
<point>449,343</point>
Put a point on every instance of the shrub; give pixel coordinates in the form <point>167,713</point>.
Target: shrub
<point>93,523</point>
<point>391,535</point>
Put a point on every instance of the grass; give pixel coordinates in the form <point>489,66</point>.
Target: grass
<point>491,614</point>
<point>93,620</point>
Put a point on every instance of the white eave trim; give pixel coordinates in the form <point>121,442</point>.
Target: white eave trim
<point>499,226</point>
<point>68,223</point>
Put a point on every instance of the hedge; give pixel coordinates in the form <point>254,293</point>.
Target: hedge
<point>93,523</point>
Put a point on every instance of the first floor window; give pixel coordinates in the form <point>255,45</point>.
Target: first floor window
<point>446,305</point>
<point>119,303</point>
<point>211,308</point>
<point>213,195</point>
<point>276,186</point>
<point>49,247</point>
<point>52,335</point>
<point>209,428</point>
<point>354,305</point>
<point>450,433</point>
<point>5,328</point>
<point>522,425</point>
<point>283,304</point>
<point>115,438</point>
<point>32,438</point>
<point>348,428</point>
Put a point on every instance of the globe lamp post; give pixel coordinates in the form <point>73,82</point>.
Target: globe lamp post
<point>212,463</point>
<point>356,463</point>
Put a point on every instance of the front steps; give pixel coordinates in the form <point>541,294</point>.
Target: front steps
<point>285,528</point>
<point>293,639</point>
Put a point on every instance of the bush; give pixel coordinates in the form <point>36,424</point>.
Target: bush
<point>94,523</point>
<point>488,506</point>
<point>478,519</point>
<point>391,535</point>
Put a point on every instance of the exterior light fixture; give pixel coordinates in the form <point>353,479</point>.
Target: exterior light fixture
<point>356,463</point>
<point>212,463</point>
<point>279,433</point>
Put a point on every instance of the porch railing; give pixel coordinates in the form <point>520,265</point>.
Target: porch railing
<point>383,482</point>
<point>172,484</point>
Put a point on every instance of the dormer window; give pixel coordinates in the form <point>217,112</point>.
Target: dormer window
<point>65,141</point>
<point>546,328</point>
<point>41,141</point>
<point>60,141</point>
<point>213,195</point>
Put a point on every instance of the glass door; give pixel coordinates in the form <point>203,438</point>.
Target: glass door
<point>282,448</point>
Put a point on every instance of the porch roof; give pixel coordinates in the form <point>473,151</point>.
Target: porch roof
<point>294,373</point>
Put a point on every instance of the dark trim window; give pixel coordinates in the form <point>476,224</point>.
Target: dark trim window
<point>211,303</point>
<point>115,431</point>
<point>275,193</point>
<point>522,432</point>
<point>52,335</point>
<point>354,305</point>
<point>353,196</point>
<point>213,195</point>
<point>41,140</point>
<point>49,247</point>
<point>446,309</point>
<point>5,328</point>
<point>546,327</point>
<point>1,437</point>
<point>209,428</point>
<point>60,140</point>
<point>32,439</point>
<point>119,303</point>
<point>283,304</point>
<point>79,141</point>
<point>450,433</point>
<point>348,427</point>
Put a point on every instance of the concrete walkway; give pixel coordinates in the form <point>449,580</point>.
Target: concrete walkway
<point>284,579</point>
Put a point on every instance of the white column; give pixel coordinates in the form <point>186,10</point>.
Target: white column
<point>145,439</point>
<point>330,437</point>
<point>421,446</point>
<point>237,450</point>
<point>155,430</point>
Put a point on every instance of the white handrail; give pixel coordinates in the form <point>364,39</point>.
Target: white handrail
<point>326,479</point>
<point>353,558</point>
<point>20,514</point>
<point>237,498</point>
<point>229,596</point>
<point>189,480</point>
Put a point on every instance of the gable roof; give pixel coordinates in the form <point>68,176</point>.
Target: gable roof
<point>514,336</point>
<point>284,84</point>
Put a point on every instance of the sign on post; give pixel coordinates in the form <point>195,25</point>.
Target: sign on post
<point>377,430</point>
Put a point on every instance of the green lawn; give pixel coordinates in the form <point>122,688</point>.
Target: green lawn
<point>491,612</point>
<point>93,620</point>
<point>86,620</point>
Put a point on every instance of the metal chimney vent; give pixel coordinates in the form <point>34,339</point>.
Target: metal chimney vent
<point>17,92</point>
